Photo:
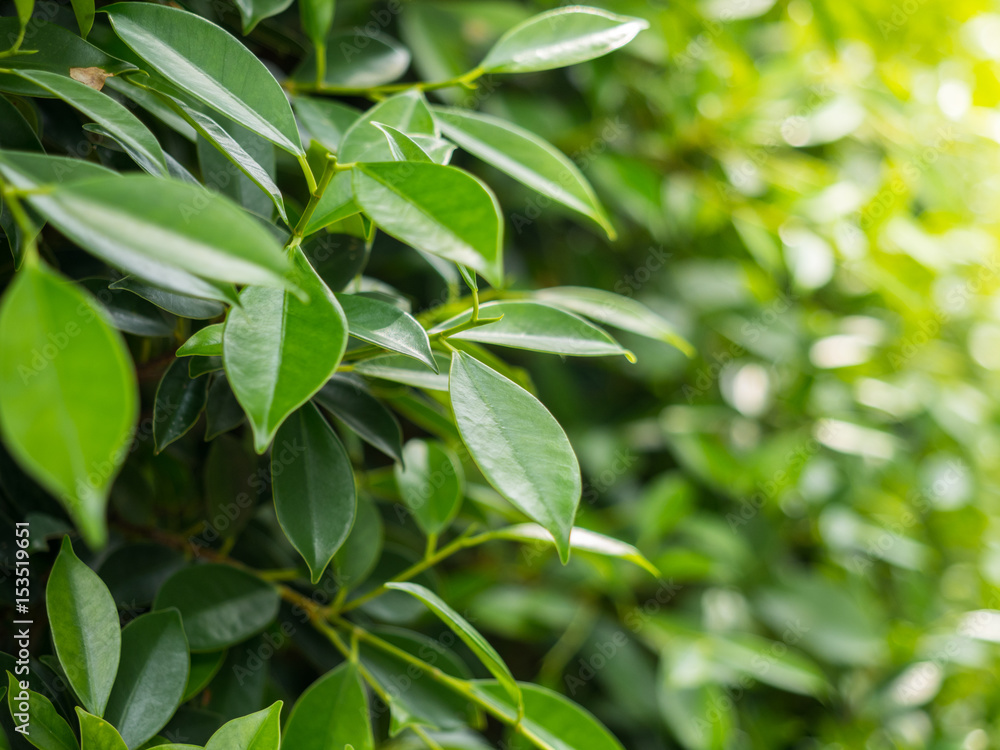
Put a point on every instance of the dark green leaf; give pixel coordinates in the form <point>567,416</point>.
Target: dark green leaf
<point>348,400</point>
<point>203,667</point>
<point>134,573</point>
<point>179,403</point>
<point>360,552</point>
<point>223,412</point>
<point>178,304</point>
<point>400,369</point>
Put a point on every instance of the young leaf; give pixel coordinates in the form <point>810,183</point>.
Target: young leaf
<point>385,325</point>
<point>179,304</point>
<point>47,730</point>
<point>219,604</point>
<point>520,448</point>
<point>400,369</point>
<point>581,540</point>
<point>104,110</point>
<point>258,731</point>
<point>84,12</point>
<point>431,483</point>
<point>151,678</point>
<point>97,734</point>
<point>317,18</point>
<point>331,713</point>
<point>540,328</point>
<point>178,404</point>
<point>614,310</point>
<point>525,157</point>
<point>403,147</point>
<point>469,635</point>
<point>253,12</point>
<point>440,210</point>
<point>68,394</point>
<point>85,632</point>
<point>560,37</point>
<point>209,64</point>
<point>278,351</point>
<point>336,203</point>
<point>206,342</point>
<point>314,492</point>
<point>347,399</point>
<point>407,112</point>
<point>347,65</point>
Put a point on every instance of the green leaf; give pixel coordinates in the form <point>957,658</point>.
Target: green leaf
<point>387,326</point>
<point>151,678</point>
<point>331,713</point>
<point>279,351</point>
<point>55,49</point>
<point>204,365</point>
<point>614,310</point>
<point>154,227</point>
<point>223,412</point>
<point>203,667</point>
<point>336,203</point>
<point>97,734</point>
<point>520,448</point>
<point>68,394</point>
<point>219,604</point>
<point>349,64</point>
<point>179,403</point>
<point>407,112</point>
<point>525,157</point>
<point>314,493</point>
<point>206,342</point>
<point>24,9</point>
<point>104,110</point>
<point>551,721</point>
<point>326,120</point>
<point>560,37</point>
<point>47,730</point>
<point>205,61</point>
<point>348,400</point>
<point>253,12</point>
<point>440,210</point>
<point>258,731</point>
<point>402,147</point>
<point>469,636</point>
<point>538,327</point>
<point>179,304</point>
<point>130,313</point>
<point>580,540</point>
<point>431,483</point>
<point>400,369</point>
<point>317,18</point>
<point>15,132</point>
<point>85,630</point>
<point>84,12</point>
<point>134,573</point>
<point>360,552</point>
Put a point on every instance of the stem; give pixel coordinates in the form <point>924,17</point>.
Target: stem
<point>432,540</point>
<point>475,305</point>
<point>428,740</point>
<point>320,63</point>
<point>29,241</point>
<point>474,322</point>
<point>466,80</point>
<point>316,193</point>
<point>307,171</point>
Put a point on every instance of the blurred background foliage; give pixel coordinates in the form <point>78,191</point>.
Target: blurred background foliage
<point>806,190</point>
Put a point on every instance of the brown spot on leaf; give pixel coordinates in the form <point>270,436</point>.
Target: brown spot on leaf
<point>93,77</point>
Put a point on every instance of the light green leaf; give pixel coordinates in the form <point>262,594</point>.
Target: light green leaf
<point>314,493</point>
<point>317,18</point>
<point>403,147</point>
<point>179,402</point>
<point>97,734</point>
<point>440,210</point>
<point>331,713</point>
<point>580,540</point>
<point>560,37</point>
<point>151,678</point>
<point>407,112</point>
<point>258,731</point>
<point>349,64</point>
<point>209,64</point>
<point>84,12</point>
<point>253,12</point>
<point>525,157</point>
<point>385,325</point>
<point>551,721</point>
<point>336,203</point>
<point>401,369</point>
<point>68,394</point>
<point>347,399</point>
<point>614,310</point>
<point>219,604</point>
<point>178,304</point>
<point>469,636</point>
<point>540,328</point>
<point>47,730</point>
<point>104,110</point>
<point>278,351</point>
<point>85,632</point>
<point>203,667</point>
<point>24,9</point>
<point>431,482</point>
<point>520,448</point>
<point>206,342</point>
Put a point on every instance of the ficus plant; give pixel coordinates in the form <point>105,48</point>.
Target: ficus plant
<point>206,369</point>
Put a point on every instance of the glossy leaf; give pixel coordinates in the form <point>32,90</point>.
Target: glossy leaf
<point>336,204</point>
<point>520,448</point>
<point>84,12</point>
<point>331,713</point>
<point>431,483</point>
<point>407,112</point>
<point>68,396</point>
<point>178,405</point>
<point>205,342</point>
<point>317,18</point>
<point>314,493</point>
<point>258,731</point>
<point>581,540</point>
<point>179,304</point>
<point>85,631</point>
<point>253,12</point>
<point>381,59</point>
<point>400,369</point>
<point>47,730</point>
<point>97,734</point>
<point>440,210</point>
<point>205,61</point>
<point>223,412</point>
<point>524,156</point>
<point>348,400</point>
<point>130,313</point>
<point>386,326</point>
<point>219,604</point>
<point>468,634</point>
<point>403,147</point>
<point>560,37</point>
<point>360,552</point>
<point>151,678</point>
<point>279,350</point>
